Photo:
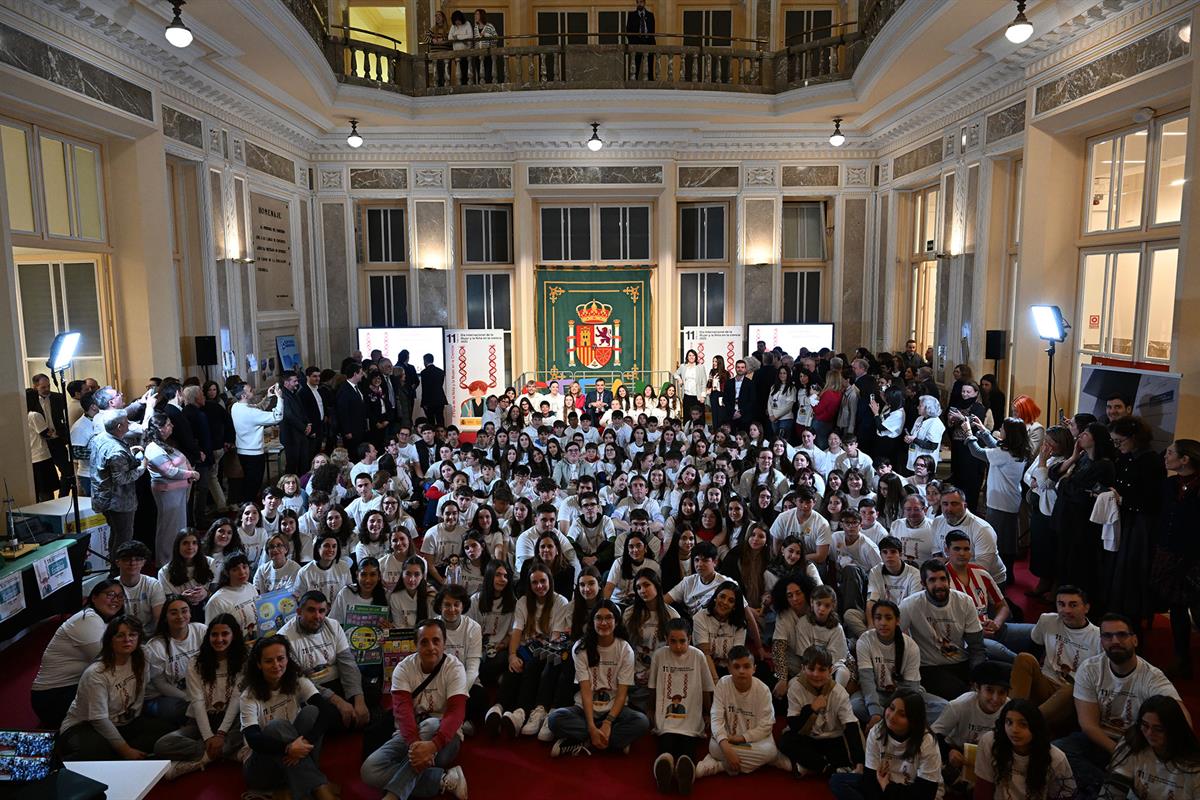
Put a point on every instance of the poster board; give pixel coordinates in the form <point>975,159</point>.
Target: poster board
<point>397,645</point>
<point>289,353</point>
<point>1155,396</point>
<point>365,632</point>
<point>791,338</point>
<point>728,342</point>
<point>477,369</point>
<point>274,609</point>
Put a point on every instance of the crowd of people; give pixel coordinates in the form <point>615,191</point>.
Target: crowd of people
<point>761,565</point>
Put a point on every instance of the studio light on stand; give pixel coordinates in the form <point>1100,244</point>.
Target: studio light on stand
<point>1050,326</point>
<point>62,353</point>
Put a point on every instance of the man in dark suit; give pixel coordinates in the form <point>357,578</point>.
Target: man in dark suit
<point>640,27</point>
<point>864,419</point>
<point>351,408</point>
<point>412,380</point>
<point>433,392</point>
<point>294,429</point>
<point>53,408</point>
<point>317,403</point>
<point>740,398</point>
<point>597,400</point>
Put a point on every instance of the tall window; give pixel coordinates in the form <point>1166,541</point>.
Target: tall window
<point>487,234</point>
<point>923,267</point>
<point>388,299</point>
<point>54,297</point>
<point>703,232</point>
<point>489,306</point>
<point>386,236</point>
<point>804,260</point>
<point>54,184</point>
<point>624,233</point>
<point>384,268</point>
<point>801,296</point>
<point>1127,286</point>
<point>701,299</point>
<point>601,232</point>
<point>806,25</point>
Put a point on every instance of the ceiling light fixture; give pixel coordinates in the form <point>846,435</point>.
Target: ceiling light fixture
<point>1020,29</point>
<point>355,139</point>
<point>177,33</point>
<point>837,138</point>
<point>595,143</point>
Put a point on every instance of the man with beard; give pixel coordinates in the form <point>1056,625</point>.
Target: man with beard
<point>323,653</point>
<point>1109,690</point>
<point>945,626</point>
<point>956,517</point>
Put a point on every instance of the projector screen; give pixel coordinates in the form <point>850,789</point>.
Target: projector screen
<point>791,338</point>
<point>417,341</point>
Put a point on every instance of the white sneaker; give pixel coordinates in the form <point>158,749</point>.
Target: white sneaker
<point>782,762</point>
<point>180,768</point>
<point>708,766</point>
<point>564,748</point>
<point>534,724</point>
<point>545,734</point>
<point>454,782</point>
<point>491,720</point>
<point>512,722</point>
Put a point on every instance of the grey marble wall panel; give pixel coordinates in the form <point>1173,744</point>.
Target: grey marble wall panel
<point>307,268</point>
<point>542,176</point>
<point>854,267</point>
<point>480,178</point>
<point>430,218</point>
<point>1006,122</point>
<point>708,177</point>
<point>974,337</point>
<point>758,297</point>
<point>433,296</point>
<point>759,231</point>
<point>263,160</point>
<point>182,127</point>
<point>333,233</point>
<point>1153,50</point>
<point>882,270</point>
<point>378,178</point>
<point>826,175</point>
<point>20,50</point>
<point>918,158</point>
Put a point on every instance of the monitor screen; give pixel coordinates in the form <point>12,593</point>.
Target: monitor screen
<point>791,338</point>
<point>417,341</point>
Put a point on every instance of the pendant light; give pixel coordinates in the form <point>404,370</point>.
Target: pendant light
<point>177,33</point>
<point>355,139</point>
<point>837,138</point>
<point>1021,28</point>
<point>595,143</point>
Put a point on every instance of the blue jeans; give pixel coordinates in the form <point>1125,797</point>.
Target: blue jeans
<point>570,724</point>
<point>847,786</point>
<point>388,767</point>
<point>1012,638</point>
<point>1088,761</point>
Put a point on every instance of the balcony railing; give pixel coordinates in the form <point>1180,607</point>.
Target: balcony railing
<point>596,60</point>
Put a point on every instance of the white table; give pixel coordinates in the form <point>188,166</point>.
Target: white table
<point>126,780</point>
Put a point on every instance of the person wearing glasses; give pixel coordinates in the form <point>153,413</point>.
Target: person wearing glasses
<point>1109,690</point>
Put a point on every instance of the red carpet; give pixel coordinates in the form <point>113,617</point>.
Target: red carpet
<point>491,765</point>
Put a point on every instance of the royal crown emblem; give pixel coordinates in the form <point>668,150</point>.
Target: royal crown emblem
<point>591,340</point>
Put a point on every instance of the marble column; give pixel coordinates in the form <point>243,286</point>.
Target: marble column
<point>337,288</point>
<point>16,468</point>
<point>1186,356</point>
<point>854,265</point>
<point>147,334</point>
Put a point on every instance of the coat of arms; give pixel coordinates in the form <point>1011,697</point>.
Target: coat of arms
<point>593,340</point>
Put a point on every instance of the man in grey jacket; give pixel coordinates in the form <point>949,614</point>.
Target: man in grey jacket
<point>116,468</point>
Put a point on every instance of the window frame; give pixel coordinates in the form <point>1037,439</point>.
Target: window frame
<point>820,272</point>
<point>405,274</point>
<point>594,232</point>
<point>486,207</point>
<point>725,303</point>
<point>490,271</point>
<point>1153,156</point>
<point>727,256</point>
<point>364,207</point>
<point>823,202</point>
<point>1150,183</point>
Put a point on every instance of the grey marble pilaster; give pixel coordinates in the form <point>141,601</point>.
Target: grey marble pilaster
<point>433,296</point>
<point>882,273</point>
<point>333,233</point>
<point>430,219</point>
<point>757,294</point>
<point>182,127</point>
<point>918,158</point>
<point>1005,122</point>
<point>480,178</point>
<point>823,175</point>
<point>854,265</point>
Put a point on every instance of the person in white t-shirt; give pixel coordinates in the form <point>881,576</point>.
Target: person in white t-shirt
<point>429,702</point>
<point>822,732</point>
<point>1015,760</point>
<point>893,580</point>
<point>915,531</point>
<point>144,595</point>
<point>1159,757</point>
<point>683,687</point>
<point>323,653</point>
<point>851,548</point>
<point>464,641</point>
<point>944,625</point>
<point>284,721</point>
<point>1109,689</point>
<point>902,758</point>
<point>1069,640</point>
<point>600,719</point>
<point>969,716</point>
<point>741,720</point>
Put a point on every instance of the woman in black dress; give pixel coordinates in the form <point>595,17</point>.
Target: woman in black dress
<point>1176,573</point>
<point>1138,485</point>
<point>1088,472</point>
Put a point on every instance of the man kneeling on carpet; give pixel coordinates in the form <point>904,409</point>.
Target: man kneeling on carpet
<point>429,701</point>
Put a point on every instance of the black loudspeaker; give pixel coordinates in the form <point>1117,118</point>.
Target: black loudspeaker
<point>996,348</point>
<point>206,351</point>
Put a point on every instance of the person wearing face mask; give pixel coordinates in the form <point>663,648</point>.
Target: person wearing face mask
<point>323,654</point>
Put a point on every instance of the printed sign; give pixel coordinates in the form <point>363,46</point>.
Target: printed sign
<point>53,572</point>
<point>274,610</point>
<point>475,369</point>
<point>398,644</point>
<point>12,597</point>
<point>365,632</point>
<point>726,342</point>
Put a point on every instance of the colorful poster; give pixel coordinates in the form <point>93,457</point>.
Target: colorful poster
<point>289,353</point>
<point>95,526</point>
<point>398,644</point>
<point>365,631</point>
<point>727,342</point>
<point>12,597</point>
<point>53,572</point>
<point>275,609</point>
<point>475,368</point>
<point>594,323</point>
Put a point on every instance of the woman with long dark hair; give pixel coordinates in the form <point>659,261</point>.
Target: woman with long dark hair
<point>603,665</point>
<point>189,573</point>
<point>220,542</point>
<point>1176,571</point>
<point>718,375</point>
<point>236,595</point>
<point>174,644</point>
<point>1158,758</point>
<point>1057,444</point>
<point>1006,462</point>
<point>1087,472</point>
<point>105,721</point>
<point>410,601</point>
<point>720,626</point>
<point>646,620</point>
<point>747,564</point>
<point>214,729</point>
<point>492,607</point>
<point>284,720</point>
<point>1016,761</point>
<point>902,759</point>
<point>74,646</point>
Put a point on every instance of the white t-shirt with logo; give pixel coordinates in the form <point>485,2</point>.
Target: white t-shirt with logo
<point>680,683</point>
<point>885,586</point>
<point>720,636</point>
<point>886,757</point>
<point>174,666</point>
<point>918,542</point>
<point>1060,782</point>
<point>940,632</point>
<point>963,721</point>
<point>141,598</point>
<point>1119,698</point>
<point>278,706</point>
<point>316,653</point>
<point>1152,778</point>
<point>105,694</point>
<point>241,603</point>
<point>647,642</point>
<point>1066,648</point>
<point>831,721</point>
<point>451,681</point>
<point>613,669</point>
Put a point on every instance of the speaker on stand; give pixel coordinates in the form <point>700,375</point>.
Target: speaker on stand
<point>206,353</point>
<point>996,348</point>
